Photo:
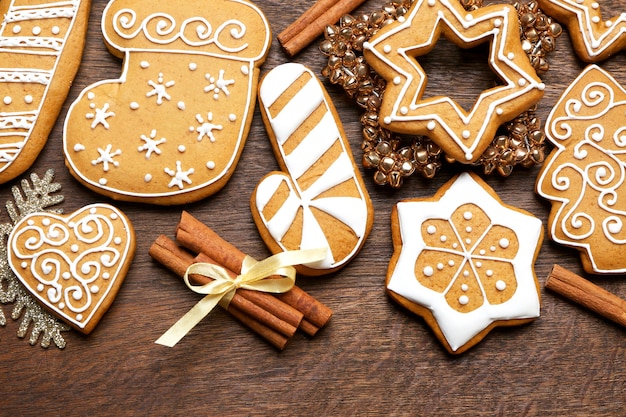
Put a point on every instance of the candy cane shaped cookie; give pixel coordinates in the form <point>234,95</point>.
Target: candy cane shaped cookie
<point>319,199</point>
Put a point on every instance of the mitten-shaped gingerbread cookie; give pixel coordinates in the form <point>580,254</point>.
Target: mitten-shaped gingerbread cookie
<point>319,199</point>
<point>41,43</point>
<point>171,129</point>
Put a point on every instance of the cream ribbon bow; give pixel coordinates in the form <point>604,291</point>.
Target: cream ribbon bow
<point>253,276</point>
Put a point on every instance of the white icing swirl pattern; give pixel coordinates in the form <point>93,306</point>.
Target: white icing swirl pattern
<point>585,176</point>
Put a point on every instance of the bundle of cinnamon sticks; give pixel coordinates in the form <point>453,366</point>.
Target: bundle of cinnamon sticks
<point>274,317</point>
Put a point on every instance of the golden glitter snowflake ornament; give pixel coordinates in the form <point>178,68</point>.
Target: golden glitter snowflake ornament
<point>36,196</point>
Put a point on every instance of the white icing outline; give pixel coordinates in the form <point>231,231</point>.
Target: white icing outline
<point>458,328</point>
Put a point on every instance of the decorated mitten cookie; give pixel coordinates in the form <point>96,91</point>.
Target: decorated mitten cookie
<point>464,261</point>
<point>73,264</point>
<point>594,39</point>
<point>41,43</point>
<point>171,129</point>
<point>319,199</point>
<point>394,51</point>
<point>584,177</point>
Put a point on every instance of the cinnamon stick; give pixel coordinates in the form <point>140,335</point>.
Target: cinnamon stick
<point>268,326</point>
<point>587,294</point>
<point>200,238</point>
<point>311,23</point>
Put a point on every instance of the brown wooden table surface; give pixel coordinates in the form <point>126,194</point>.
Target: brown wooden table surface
<point>374,357</point>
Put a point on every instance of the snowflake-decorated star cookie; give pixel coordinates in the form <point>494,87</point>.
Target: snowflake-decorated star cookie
<point>464,261</point>
<point>584,177</point>
<point>393,52</point>
<point>171,129</point>
<point>594,39</point>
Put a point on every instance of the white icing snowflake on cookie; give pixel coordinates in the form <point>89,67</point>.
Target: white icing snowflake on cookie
<point>159,89</point>
<point>151,145</point>
<point>219,85</point>
<point>466,258</point>
<point>100,116</point>
<point>179,177</point>
<point>206,128</point>
<point>106,157</point>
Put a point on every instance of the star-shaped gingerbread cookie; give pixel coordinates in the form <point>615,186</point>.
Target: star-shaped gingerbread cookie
<point>464,262</point>
<point>594,39</point>
<point>462,134</point>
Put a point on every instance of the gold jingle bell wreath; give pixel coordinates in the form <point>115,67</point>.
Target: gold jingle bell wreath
<point>394,156</point>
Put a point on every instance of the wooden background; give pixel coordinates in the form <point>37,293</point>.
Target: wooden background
<point>374,357</point>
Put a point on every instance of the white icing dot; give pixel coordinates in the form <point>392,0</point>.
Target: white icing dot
<point>66,275</point>
<point>431,125</point>
<point>387,49</point>
<point>443,238</point>
<point>117,240</point>
<point>36,30</point>
<point>397,80</point>
<point>595,5</point>
<point>455,245</point>
<point>499,111</point>
<point>608,23</point>
<point>615,227</point>
<point>387,120</point>
<point>464,287</point>
<point>74,248</point>
<point>478,264</point>
<point>482,252</point>
<point>192,129</point>
<point>193,66</point>
<point>467,215</point>
<point>440,266</point>
<point>210,165</point>
<point>521,82</point>
<point>500,285</point>
<point>431,229</point>
<point>489,273</point>
<point>24,264</point>
<point>431,3</point>
<point>595,19</point>
<point>40,287</point>
<point>401,19</point>
<point>105,259</point>
<point>469,17</point>
<point>147,177</point>
<point>466,134</point>
<point>102,181</point>
<point>31,222</point>
<point>144,64</point>
<point>94,289</point>
<point>463,300</point>
<point>504,243</point>
<point>45,222</point>
<point>134,105</point>
<point>92,106</point>
<point>468,241</point>
<point>28,99</point>
<point>450,262</point>
<point>76,295</point>
<point>541,86</point>
<point>78,147</point>
<point>17,29</point>
<point>7,100</point>
<point>468,156</point>
<point>56,30</point>
<point>232,117</point>
<point>404,110</point>
<point>61,306</point>
<point>106,275</point>
<point>79,317</point>
<point>497,23</point>
<point>511,55</point>
<point>92,210</point>
<point>91,95</point>
<point>466,273</point>
<point>428,271</point>
<point>245,70</point>
<point>468,229</point>
<point>493,248</point>
<point>181,148</point>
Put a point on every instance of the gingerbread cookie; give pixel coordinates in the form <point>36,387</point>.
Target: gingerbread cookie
<point>594,39</point>
<point>41,44</point>
<point>584,177</point>
<point>464,261</point>
<point>171,129</point>
<point>319,199</point>
<point>464,135</point>
<point>73,265</point>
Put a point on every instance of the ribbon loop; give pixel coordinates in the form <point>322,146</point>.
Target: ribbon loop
<point>275,274</point>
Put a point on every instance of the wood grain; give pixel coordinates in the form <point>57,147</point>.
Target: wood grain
<point>374,358</point>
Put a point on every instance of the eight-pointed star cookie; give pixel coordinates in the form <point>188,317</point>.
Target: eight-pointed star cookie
<point>461,134</point>
<point>594,39</point>
<point>464,262</point>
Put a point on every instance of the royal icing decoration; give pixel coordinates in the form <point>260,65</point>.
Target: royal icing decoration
<point>585,175</point>
<point>73,264</point>
<point>466,258</point>
<point>319,179</point>
<point>463,135</point>
<point>33,38</point>
<point>594,39</point>
<point>184,101</point>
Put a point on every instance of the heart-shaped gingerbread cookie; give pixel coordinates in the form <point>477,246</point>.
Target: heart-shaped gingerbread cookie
<point>73,264</point>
